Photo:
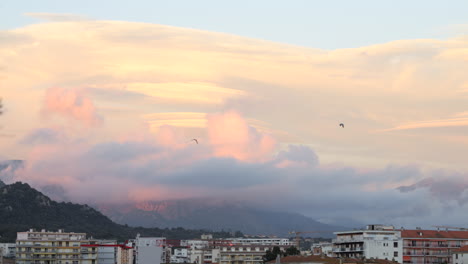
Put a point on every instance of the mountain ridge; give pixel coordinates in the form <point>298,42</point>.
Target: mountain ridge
<point>216,215</point>
<point>23,207</point>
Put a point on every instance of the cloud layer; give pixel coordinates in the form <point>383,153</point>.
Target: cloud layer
<point>265,114</point>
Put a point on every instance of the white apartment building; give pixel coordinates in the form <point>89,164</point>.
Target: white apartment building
<point>376,241</point>
<point>460,256</point>
<point>8,249</point>
<point>195,243</point>
<point>204,256</point>
<point>46,247</point>
<point>150,250</point>
<point>180,255</point>
<point>107,252</point>
<point>260,241</point>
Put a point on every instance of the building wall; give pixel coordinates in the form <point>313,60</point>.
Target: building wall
<point>460,258</point>
<point>149,250</point>
<point>9,249</point>
<point>376,242</point>
<point>53,248</point>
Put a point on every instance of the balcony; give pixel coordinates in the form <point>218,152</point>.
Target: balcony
<point>347,240</point>
<point>338,250</point>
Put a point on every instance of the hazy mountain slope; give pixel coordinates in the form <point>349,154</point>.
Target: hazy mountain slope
<point>22,208</point>
<point>219,215</point>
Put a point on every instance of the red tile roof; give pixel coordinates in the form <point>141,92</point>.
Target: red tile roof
<point>462,249</point>
<point>434,234</point>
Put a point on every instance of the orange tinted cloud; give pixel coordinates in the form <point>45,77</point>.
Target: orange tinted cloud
<point>231,136</point>
<point>72,104</point>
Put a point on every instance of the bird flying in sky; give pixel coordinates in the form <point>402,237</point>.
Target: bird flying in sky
<point>342,125</point>
<point>195,140</point>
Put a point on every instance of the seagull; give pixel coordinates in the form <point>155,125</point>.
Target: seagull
<point>194,140</point>
<point>342,125</point>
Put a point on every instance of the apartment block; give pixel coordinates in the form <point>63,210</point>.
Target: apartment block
<point>376,241</point>
<point>245,254</point>
<point>431,246</point>
<point>460,255</point>
<point>46,247</point>
<point>8,249</point>
<point>150,250</point>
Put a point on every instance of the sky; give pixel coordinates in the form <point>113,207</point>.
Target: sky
<point>102,100</point>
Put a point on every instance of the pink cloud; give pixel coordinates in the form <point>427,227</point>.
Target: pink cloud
<point>231,136</point>
<point>71,103</point>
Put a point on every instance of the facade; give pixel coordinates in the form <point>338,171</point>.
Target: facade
<point>376,241</point>
<point>322,248</point>
<point>150,250</point>
<point>460,256</point>
<point>180,255</point>
<point>431,246</point>
<point>8,249</point>
<point>261,241</point>
<point>245,254</point>
<point>107,252</point>
<point>125,254</point>
<point>54,248</point>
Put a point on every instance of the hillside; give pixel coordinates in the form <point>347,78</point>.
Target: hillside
<point>22,208</point>
<point>215,215</point>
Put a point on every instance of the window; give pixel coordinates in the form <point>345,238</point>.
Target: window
<point>395,254</point>
<point>395,244</point>
<point>456,256</point>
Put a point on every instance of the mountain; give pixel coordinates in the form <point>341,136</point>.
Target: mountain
<point>22,208</point>
<point>215,215</point>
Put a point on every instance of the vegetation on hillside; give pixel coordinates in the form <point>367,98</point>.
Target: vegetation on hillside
<point>23,208</point>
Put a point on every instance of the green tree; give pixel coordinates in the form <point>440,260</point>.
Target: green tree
<point>292,251</point>
<point>271,254</point>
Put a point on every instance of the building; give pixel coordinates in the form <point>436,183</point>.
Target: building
<point>8,249</point>
<point>106,252</point>
<point>322,248</point>
<point>180,255</point>
<point>327,260</point>
<point>460,256</point>
<point>376,241</point>
<point>431,246</point>
<point>261,241</point>
<point>125,254</point>
<point>204,256</point>
<point>245,254</point>
<point>46,247</point>
<point>150,250</point>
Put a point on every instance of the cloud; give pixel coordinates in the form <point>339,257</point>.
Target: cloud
<point>72,104</point>
<point>451,122</point>
<point>247,101</point>
<point>231,136</point>
<point>43,136</point>
<point>53,17</point>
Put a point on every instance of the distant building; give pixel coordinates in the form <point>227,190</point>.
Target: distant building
<point>460,256</point>
<point>327,260</point>
<point>322,248</point>
<point>245,254</point>
<point>431,246</point>
<point>46,247</point>
<point>180,255</point>
<point>376,241</point>
<point>261,241</point>
<point>150,250</point>
<point>8,249</point>
<point>207,236</point>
